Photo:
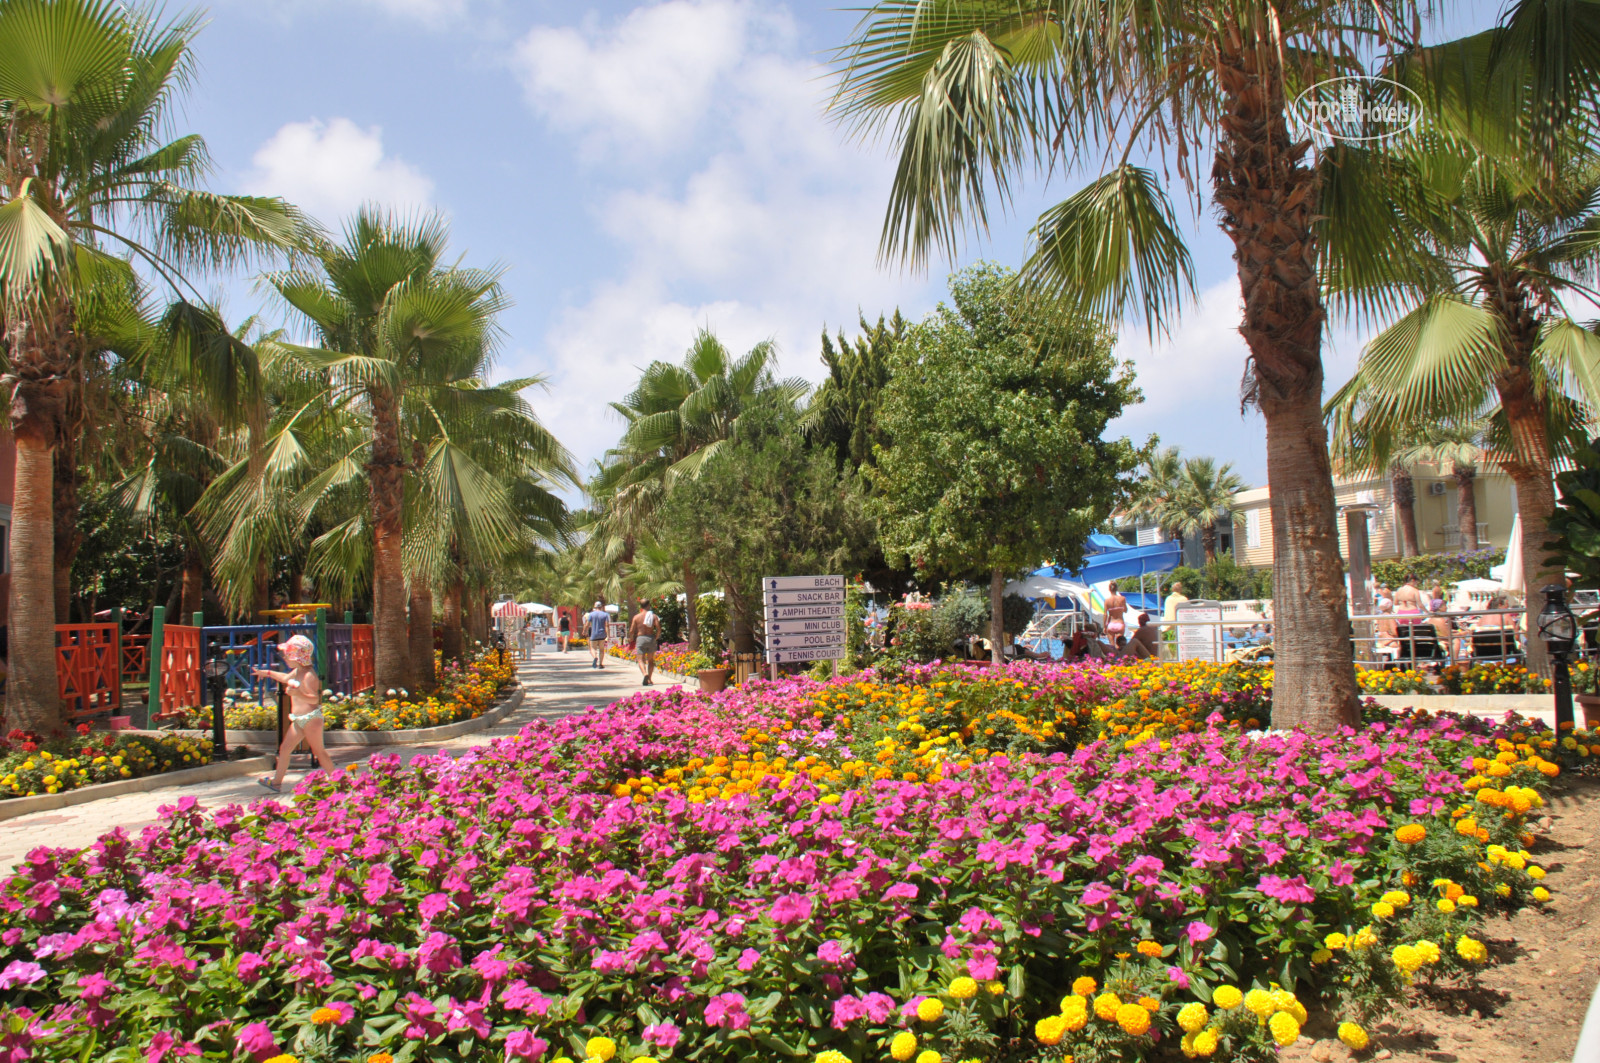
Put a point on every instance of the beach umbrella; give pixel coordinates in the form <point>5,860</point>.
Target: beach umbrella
<point>535,607</point>
<point>1512,580</point>
<point>504,610</point>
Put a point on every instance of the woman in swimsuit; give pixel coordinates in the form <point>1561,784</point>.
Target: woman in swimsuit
<point>305,707</point>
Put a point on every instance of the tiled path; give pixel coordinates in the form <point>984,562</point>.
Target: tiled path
<point>556,686</point>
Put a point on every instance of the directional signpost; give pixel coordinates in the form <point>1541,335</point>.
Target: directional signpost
<point>804,619</point>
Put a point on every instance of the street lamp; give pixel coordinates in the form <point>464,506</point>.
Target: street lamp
<point>216,670</point>
<point>500,645</point>
<point>1558,628</point>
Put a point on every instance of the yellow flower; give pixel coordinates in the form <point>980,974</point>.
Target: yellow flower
<point>930,1056</point>
<point>930,1010</point>
<point>1445,905</point>
<point>283,1059</point>
<point>1192,1017</point>
<point>1227,997</point>
<point>1051,1029</point>
<point>384,1057</point>
<point>1148,948</point>
<point>1471,949</point>
<point>995,988</point>
<point>1106,1005</point>
<point>1398,898</point>
<point>1383,909</point>
<point>1467,900</point>
<point>963,988</point>
<point>1353,1035</point>
<point>1205,1043</point>
<point>1284,1029</point>
<point>1535,872</point>
<point>1076,1016</point>
<point>1133,1019</point>
<point>904,1045</point>
<point>832,1056</point>
<point>1410,834</point>
<point>1541,894</point>
<point>1084,986</point>
<point>1335,940</point>
<point>1259,1001</point>
<point>324,1017</point>
<point>601,1048</point>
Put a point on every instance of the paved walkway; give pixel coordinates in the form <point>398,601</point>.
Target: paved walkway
<point>556,684</point>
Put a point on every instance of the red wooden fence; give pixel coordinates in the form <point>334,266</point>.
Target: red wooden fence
<point>180,669</point>
<point>88,669</point>
<point>136,657</point>
<point>361,658</point>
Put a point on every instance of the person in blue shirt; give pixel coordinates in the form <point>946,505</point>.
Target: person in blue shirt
<point>596,619</point>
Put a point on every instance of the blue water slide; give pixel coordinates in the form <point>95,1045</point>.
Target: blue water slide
<point>1124,562</point>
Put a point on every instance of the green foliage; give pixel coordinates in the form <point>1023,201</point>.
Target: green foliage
<point>1445,568</point>
<point>994,416</point>
<point>767,505</point>
<point>673,616</point>
<point>1222,580</point>
<point>122,559</point>
<point>713,612</point>
<point>843,411</point>
<point>1015,614</point>
<point>1575,526</point>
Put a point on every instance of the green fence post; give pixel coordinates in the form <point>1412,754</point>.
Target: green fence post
<point>158,633</point>
<point>199,620</point>
<point>322,645</point>
<point>349,616</point>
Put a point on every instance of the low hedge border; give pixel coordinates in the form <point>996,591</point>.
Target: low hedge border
<point>414,736</point>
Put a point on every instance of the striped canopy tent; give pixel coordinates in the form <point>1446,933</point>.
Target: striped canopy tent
<point>505,610</point>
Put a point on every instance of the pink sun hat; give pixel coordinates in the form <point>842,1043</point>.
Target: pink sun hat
<point>298,650</point>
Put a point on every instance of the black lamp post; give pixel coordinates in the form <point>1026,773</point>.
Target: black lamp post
<point>216,671</point>
<point>1559,630</point>
<point>500,645</point>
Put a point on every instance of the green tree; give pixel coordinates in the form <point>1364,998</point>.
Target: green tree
<point>1574,541</point>
<point>678,417</point>
<point>1156,490</point>
<point>995,415</point>
<point>767,505</point>
<point>1203,500</point>
<point>843,411</point>
<point>86,88</point>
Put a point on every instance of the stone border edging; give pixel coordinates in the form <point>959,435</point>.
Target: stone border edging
<point>1475,704</point>
<point>415,736</point>
<point>13,807</point>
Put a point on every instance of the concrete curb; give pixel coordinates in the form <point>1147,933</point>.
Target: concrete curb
<point>224,769</point>
<point>415,737</point>
<point>1475,704</point>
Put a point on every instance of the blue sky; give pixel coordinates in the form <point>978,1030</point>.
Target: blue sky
<point>641,170</point>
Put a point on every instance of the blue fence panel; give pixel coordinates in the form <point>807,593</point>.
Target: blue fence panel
<point>253,646</point>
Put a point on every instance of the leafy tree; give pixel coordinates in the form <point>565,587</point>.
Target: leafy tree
<point>1222,579</point>
<point>995,414</point>
<point>767,505</point>
<point>86,88</point>
<point>843,411</point>
<point>1574,542</point>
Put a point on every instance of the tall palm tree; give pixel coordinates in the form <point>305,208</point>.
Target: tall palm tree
<point>678,417</point>
<point>977,93</point>
<point>85,93</point>
<point>1203,500</point>
<point>1156,490</point>
<point>386,308</point>
<point>1494,246</point>
<point>1459,446</point>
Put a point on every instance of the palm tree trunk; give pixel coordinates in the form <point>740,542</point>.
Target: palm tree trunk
<point>385,471</point>
<point>32,696</point>
<point>1466,505</point>
<point>1405,508</point>
<point>691,605</point>
<point>1266,196</point>
<point>1208,542</point>
<point>64,519</point>
<point>193,580</point>
<point>420,633</point>
<point>263,589</point>
<point>450,620</point>
<point>744,636</point>
<point>997,620</point>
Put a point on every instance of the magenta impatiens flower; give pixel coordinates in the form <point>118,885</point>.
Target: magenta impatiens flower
<point>20,973</point>
<point>1197,932</point>
<point>256,1039</point>
<point>1289,890</point>
<point>525,1044</point>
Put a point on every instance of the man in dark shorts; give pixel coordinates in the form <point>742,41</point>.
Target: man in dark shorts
<point>595,620</point>
<point>642,632</point>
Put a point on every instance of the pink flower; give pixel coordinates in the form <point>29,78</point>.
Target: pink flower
<point>1198,932</point>
<point>95,986</point>
<point>1289,890</point>
<point>250,965</point>
<point>791,908</point>
<point>1178,977</point>
<point>162,1043</point>
<point>258,1041</point>
<point>833,954</point>
<point>663,1034</point>
<point>748,959</point>
<point>522,1044</point>
<point>727,1009</point>
<point>20,972</point>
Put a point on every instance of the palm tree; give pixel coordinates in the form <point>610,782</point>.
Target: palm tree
<point>388,313</point>
<point>978,92</point>
<point>1493,243</point>
<point>85,91</point>
<point>1203,500</point>
<point>678,417</point>
<point>843,411</point>
<point>1156,489</point>
<point>1460,447</point>
<point>1404,490</point>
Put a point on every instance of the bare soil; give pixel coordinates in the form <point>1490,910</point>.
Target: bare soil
<point>1528,1005</point>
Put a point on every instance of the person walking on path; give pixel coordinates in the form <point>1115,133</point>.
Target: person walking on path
<point>597,618</point>
<point>564,631</point>
<point>642,631</point>
<point>305,707</point>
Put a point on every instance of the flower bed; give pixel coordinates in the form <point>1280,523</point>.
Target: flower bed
<point>674,657</point>
<point>1394,681</point>
<point>465,693</point>
<point>944,862</point>
<point>1491,678</point>
<point>31,765</point>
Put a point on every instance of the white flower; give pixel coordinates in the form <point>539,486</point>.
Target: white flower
<point>404,692</point>
<point>391,692</point>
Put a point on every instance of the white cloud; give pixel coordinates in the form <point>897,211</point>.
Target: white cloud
<point>331,168</point>
<point>647,79</point>
<point>732,200</point>
<point>430,13</point>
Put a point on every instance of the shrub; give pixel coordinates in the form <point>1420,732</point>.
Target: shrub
<point>30,765</point>
<point>1445,568</point>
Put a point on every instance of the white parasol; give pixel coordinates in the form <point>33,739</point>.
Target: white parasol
<point>1513,579</point>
